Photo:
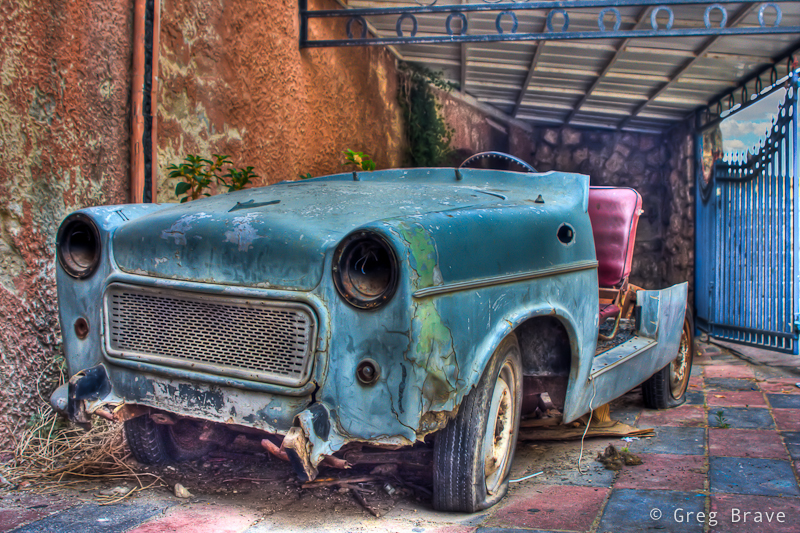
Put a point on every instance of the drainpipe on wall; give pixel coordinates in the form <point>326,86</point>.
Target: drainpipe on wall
<point>137,97</point>
<point>154,101</point>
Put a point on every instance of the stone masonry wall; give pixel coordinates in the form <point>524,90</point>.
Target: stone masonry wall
<point>658,166</point>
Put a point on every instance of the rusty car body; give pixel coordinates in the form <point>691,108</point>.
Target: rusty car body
<point>380,309</point>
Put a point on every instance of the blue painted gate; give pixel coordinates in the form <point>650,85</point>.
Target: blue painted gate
<point>747,281</point>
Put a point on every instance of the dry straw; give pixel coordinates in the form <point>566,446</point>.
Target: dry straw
<point>52,454</point>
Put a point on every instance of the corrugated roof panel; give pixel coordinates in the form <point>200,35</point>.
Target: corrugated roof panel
<point>649,76</point>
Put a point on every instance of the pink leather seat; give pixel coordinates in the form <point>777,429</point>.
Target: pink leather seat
<point>614,212</point>
<point>608,311</point>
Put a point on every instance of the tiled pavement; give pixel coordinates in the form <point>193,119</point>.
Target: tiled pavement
<point>726,461</point>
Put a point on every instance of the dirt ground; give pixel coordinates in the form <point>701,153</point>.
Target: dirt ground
<point>269,486</point>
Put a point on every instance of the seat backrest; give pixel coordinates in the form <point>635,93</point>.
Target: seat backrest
<point>614,212</point>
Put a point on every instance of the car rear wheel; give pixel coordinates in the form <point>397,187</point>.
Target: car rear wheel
<point>183,440</point>
<point>667,388</point>
<point>146,440</point>
<point>158,444</point>
<point>473,454</point>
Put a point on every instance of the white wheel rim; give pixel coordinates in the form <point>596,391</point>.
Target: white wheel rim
<point>499,430</point>
<point>679,367</point>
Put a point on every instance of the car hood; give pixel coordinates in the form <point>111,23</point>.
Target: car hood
<point>275,236</point>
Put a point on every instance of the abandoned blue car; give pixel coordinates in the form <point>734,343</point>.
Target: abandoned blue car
<point>427,307</point>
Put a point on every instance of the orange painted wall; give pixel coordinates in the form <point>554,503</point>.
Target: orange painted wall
<point>234,81</point>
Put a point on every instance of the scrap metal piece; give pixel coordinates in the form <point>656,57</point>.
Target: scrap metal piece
<point>322,435</point>
<point>272,448</point>
<point>335,462</point>
<point>545,402</point>
<point>415,457</point>
<point>295,445</point>
<point>128,411</point>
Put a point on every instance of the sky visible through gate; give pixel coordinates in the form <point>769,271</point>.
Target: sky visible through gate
<point>744,130</point>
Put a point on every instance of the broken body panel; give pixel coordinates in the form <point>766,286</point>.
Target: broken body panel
<point>479,254</point>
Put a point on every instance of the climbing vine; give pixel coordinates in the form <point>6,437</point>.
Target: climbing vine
<point>427,134</point>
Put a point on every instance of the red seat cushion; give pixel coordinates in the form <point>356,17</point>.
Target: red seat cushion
<point>614,212</point>
<point>607,311</point>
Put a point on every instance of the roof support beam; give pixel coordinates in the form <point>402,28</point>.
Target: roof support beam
<point>536,55</point>
<point>699,54</point>
<point>613,61</point>
<point>463,72</point>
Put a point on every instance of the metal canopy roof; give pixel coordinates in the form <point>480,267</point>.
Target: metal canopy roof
<point>623,81</point>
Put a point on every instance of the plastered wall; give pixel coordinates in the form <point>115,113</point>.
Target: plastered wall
<point>64,88</point>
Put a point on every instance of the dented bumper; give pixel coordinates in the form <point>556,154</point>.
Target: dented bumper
<point>309,430</point>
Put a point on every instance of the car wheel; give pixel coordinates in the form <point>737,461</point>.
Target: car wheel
<point>667,388</point>
<point>472,456</point>
<point>158,444</point>
<point>183,440</point>
<point>146,440</point>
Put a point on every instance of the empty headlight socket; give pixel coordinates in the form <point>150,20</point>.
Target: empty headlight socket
<point>78,246</point>
<point>365,270</point>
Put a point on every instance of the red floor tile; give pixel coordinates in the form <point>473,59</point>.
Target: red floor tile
<point>202,519</point>
<point>728,514</point>
<point>696,382</point>
<point>22,508</point>
<point>13,518</point>
<point>664,471</point>
<point>787,419</point>
<point>551,507</point>
<point>736,399</point>
<point>758,443</point>
<point>683,416</point>
<point>454,529</point>
<point>728,371</point>
<point>787,386</point>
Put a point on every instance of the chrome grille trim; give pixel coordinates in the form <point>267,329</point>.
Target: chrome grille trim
<point>268,341</point>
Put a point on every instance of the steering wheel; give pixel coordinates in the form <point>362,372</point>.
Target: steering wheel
<point>471,160</point>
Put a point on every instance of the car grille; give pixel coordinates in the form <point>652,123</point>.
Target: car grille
<point>263,340</point>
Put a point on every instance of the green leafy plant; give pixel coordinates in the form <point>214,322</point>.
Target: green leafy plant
<point>308,176</point>
<point>197,174</point>
<point>427,133</point>
<point>361,160</point>
<point>720,421</point>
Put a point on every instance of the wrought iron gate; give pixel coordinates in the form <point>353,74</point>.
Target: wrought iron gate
<point>747,285</point>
